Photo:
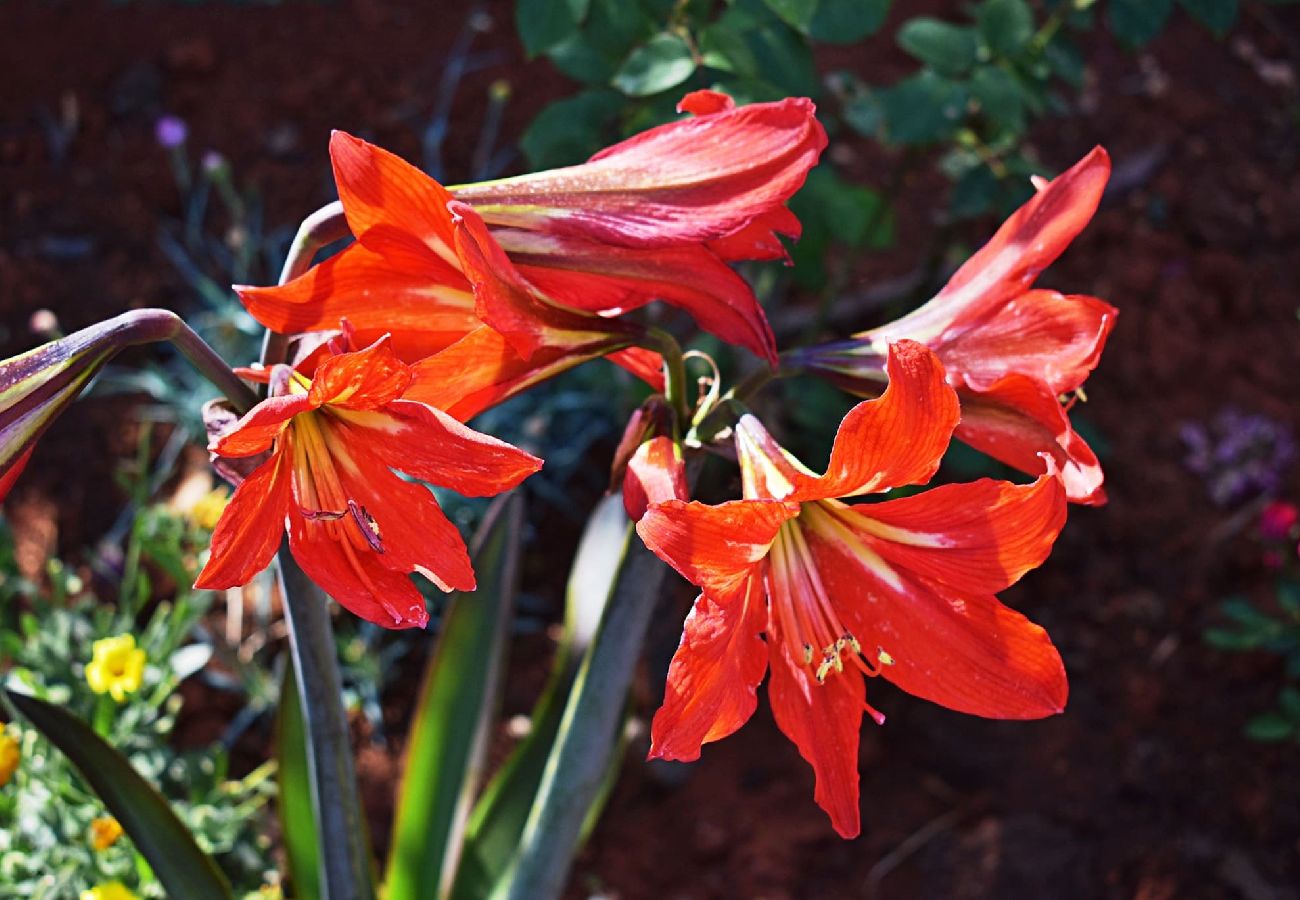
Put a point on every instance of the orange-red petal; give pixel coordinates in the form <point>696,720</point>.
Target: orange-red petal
<point>431,445</point>
<point>896,439</point>
<point>393,208</point>
<point>978,538</point>
<point>260,426</point>
<point>824,721</point>
<point>714,675</point>
<point>15,469</point>
<point>481,370</point>
<point>251,526</point>
<point>964,651</point>
<point>1028,242</point>
<point>363,379</point>
<point>655,473</point>
<point>355,578</point>
<point>1052,337</point>
<point>714,547</point>
<point>693,180</point>
<point>598,277</point>
<point>363,287</point>
<point>1017,421</point>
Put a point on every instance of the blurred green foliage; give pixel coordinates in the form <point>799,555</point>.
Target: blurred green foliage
<point>46,636</point>
<point>1276,631</point>
<point>984,77</point>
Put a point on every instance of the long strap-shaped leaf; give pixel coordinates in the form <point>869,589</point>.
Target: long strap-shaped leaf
<point>492,837</point>
<point>588,735</point>
<point>297,822</point>
<point>457,704</point>
<point>183,869</point>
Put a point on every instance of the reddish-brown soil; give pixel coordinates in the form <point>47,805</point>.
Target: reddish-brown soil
<point>1143,788</point>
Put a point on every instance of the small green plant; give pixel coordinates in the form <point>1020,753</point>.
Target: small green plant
<point>1274,630</point>
<point>61,644</point>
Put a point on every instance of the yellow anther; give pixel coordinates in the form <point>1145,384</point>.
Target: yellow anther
<point>884,658</point>
<point>807,654</point>
<point>824,669</point>
<point>852,642</point>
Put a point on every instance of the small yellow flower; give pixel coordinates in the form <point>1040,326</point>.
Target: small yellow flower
<point>209,508</point>
<point>10,756</point>
<point>110,890</point>
<point>104,832</point>
<point>116,667</point>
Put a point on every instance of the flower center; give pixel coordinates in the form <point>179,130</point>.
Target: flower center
<point>322,498</point>
<point>810,626</point>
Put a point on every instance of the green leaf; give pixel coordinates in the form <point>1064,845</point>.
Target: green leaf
<point>497,822</point>
<point>924,108</point>
<point>948,49</point>
<point>1000,98</point>
<point>1064,59</point>
<point>1137,21</point>
<point>297,822</point>
<point>458,700</point>
<point>181,867</point>
<point>570,130</point>
<point>544,23</point>
<point>593,53</point>
<point>723,49</point>
<point>798,14</point>
<point>662,62</point>
<point>785,60</point>
<point>1005,25</point>
<point>1217,15</point>
<point>589,734</point>
<point>847,21</point>
<point>1270,727</point>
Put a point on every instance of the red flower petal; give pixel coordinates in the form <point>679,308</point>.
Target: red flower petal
<point>655,473</point>
<point>758,239</point>
<point>714,547</point>
<point>407,524</point>
<point>896,439</point>
<point>355,578</point>
<point>644,364</point>
<point>692,180</point>
<point>824,721</point>
<point>975,538</point>
<point>1017,420</point>
<point>374,296</point>
<point>394,209</point>
<point>964,651</point>
<point>364,379</point>
<point>260,426</point>
<point>481,370</point>
<point>431,445</point>
<point>714,675</point>
<point>15,469</point>
<point>705,102</point>
<point>1028,242</point>
<point>251,526</point>
<point>597,277</point>
<point>1054,338</point>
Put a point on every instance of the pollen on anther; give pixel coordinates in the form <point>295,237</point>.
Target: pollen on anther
<point>807,654</point>
<point>884,658</point>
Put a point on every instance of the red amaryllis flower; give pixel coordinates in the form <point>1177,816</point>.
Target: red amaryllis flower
<point>355,527</point>
<point>606,237</point>
<point>823,593</point>
<point>1013,353</point>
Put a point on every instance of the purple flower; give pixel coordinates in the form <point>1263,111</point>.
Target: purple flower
<point>1240,456</point>
<point>170,132</point>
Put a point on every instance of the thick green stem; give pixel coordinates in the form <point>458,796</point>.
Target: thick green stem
<point>674,373</point>
<point>344,856</point>
<point>588,735</point>
<point>336,805</point>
